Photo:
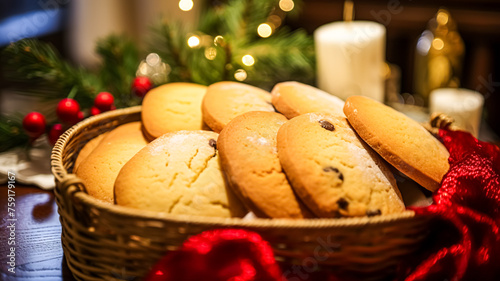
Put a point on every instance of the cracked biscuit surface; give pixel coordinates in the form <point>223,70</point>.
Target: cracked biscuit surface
<point>172,107</point>
<point>333,171</point>
<point>226,100</point>
<point>99,169</point>
<point>249,156</point>
<point>178,173</point>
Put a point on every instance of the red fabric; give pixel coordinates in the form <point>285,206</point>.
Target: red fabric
<point>219,255</point>
<point>467,242</point>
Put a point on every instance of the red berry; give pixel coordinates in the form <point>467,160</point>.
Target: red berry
<point>141,86</point>
<point>80,117</point>
<point>68,110</point>
<point>113,107</point>
<point>34,124</point>
<point>94,111</point>
<point>104,101</point>
<point>55,132</point>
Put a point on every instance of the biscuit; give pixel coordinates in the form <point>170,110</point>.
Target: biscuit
<point>87,149</point>
<point>293,99</point>
<point>99,170</point>
<point>249,157</point>
<point>401,141</point>
<point>226,100</point>
<point>178,173</point>
<point>172,107</point>
<point>333,171</point>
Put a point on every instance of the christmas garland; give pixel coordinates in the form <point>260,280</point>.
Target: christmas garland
<point>237,40</point>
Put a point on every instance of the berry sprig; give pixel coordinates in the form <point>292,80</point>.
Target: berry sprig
<point>69,113</point>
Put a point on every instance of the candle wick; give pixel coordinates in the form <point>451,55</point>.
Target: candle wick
<point>348,10</point>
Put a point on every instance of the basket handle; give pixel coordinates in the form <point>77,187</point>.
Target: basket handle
<point>67,187</point>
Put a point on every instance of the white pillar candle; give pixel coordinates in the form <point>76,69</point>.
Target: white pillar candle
<point>465,106</point>
<point>350,58</point>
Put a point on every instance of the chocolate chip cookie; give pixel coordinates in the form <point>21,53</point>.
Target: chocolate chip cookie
<point>333,171</point>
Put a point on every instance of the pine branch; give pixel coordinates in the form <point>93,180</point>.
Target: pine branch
<point>11,133</point>
<point>284,56</point>
<point>120,59</point>
<point>205,71</point>
<point>37,69</point>
<point>169,41</point>
<point>258,13</point>
<point>224,20</point>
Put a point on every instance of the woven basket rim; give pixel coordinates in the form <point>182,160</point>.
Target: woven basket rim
<point>61,175</point>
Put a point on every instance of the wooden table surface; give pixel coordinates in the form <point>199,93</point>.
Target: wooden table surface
<point>37,236</point>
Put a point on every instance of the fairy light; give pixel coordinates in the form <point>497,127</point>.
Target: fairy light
<point>240,75</point>
<point>248,60</point>
<point>210,53</point>
<point>186,5</point>
<point>193,41</point>
<point>286,5</point>
<point>264,30</point>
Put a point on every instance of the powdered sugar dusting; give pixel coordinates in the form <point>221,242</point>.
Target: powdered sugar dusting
<point>262,142</point>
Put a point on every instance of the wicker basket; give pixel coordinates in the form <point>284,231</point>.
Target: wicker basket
<point>110,242</point>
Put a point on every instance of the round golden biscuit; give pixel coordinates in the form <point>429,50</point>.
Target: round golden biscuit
<point>172,107</point>
<point>226,100</point>
<point>99,170</point>
<point>293,99</point>
<point>87,149</point>
<point>249,157</point>
<point>333,171</point>
<point>178,173</point>
<point>400,140</point>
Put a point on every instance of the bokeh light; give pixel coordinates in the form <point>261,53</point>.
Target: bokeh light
<point>240,75</point>
<point>186,5</point>
<point>193,41</point>
<point>219,40</point>
<point>264,30</point>
<point>210,53</point>
<point>248,60</point>
<point>438,43</point>
<point>286,5</point>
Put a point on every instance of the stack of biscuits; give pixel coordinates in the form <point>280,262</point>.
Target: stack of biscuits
<point>229,149</point>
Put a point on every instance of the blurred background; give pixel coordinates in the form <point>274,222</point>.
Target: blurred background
<point>73,26</point>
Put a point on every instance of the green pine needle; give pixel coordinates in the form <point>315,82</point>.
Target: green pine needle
<point>120,59</point>
<point>169,42</point>
<point>37,69</point>
<point>11,133</point>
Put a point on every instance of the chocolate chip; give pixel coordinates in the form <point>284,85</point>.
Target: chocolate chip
<point>372,213</point>
<point>212,143</point>
<point>327,125</point>
<point>343,204</point>
<point>333,169</point>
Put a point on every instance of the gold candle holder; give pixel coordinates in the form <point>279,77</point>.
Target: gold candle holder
<point>438,57</point>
